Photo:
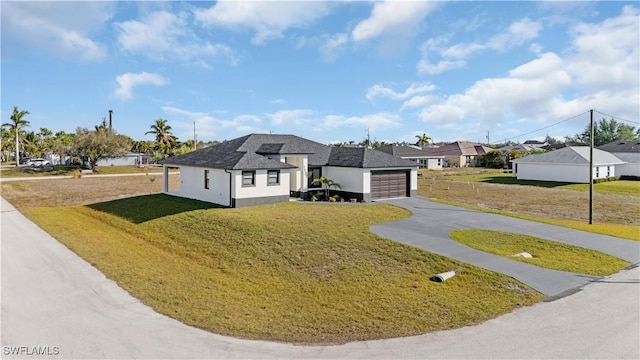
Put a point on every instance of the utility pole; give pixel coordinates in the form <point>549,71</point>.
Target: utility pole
<point>591,168</point>
<point>110,116</point>
<point>368,139</point>
<point>488,142</point>
<point>195,137</point>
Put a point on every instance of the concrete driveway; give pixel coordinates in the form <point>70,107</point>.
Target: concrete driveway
<point>55,303</point>
<point>431,223</point>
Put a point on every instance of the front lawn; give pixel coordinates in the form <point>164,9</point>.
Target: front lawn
<point>546,253</point>
<point>292,272</point>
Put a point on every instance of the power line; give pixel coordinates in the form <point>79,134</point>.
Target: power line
<point>618,118</point>
<point>543,128</point>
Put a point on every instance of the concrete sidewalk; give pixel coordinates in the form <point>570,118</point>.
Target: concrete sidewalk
<point>52,298</point>
<point>431,223</point>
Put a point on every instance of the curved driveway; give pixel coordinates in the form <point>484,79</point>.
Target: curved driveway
<point>431,223</point>
<point>52,298</point>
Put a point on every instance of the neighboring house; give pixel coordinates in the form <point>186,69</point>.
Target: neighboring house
<point>627,151</point>
<point>523,148</point>
<point>553,147</point>
<point>132,159</point>
<point>265,169</point>
<point>459,153</point>
<point>570,164</point>
<point>536,143</point>
<point>414,153</point>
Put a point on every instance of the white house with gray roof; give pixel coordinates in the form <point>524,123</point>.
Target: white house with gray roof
<point>570,164</point>
<point>265,169</point>
<point>627,151</point>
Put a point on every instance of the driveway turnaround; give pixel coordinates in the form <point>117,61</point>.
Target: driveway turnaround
<point>57,305</point>
<point>431,223</point>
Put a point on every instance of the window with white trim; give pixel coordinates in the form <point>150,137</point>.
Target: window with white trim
<point>206,179</point>
<point>273,177</point>
<point>248,178</point>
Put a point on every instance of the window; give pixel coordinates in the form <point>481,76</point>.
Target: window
<point>608,171</point>
<point>206,179</point>
<point>314,173</point>
<point>248,178</point>
<point>515,168</point>
<point>439,162</point>
<point>597,171</point>
<point>273,177</point>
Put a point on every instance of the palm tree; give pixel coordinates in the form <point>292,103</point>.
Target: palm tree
<point>164,139</point>
<point>328,184</point>
<point>15,126</point>
<point>423,139</point>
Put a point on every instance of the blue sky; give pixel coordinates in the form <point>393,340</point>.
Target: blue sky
<point>327,71</point>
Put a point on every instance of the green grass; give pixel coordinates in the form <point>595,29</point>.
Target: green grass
<point>547,254</point>
<point>288,272</point>
<point>74,170</point>
<point>624,187</point>
<point>628,232</point>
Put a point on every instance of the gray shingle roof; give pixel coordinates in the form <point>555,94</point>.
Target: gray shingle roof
<point>459,148</point>
<point>621,147</point>
<point>365,158</point>
<point>406,151</point>
<point>578,155</point>
<point>244,153</point>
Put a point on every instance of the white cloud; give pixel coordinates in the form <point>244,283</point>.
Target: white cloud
<point>128,81</point>
<point>269,19</point>
<point>56,26</point>
<point>372,121</point>
<point>332,46</point>
<point>600,70</point>
<point>278,102</point>
<point>208,126</point>
<point>392,17</point>
<point>453,57</point>
<point>292,117</point>
<point>380,90</point>
<point>165,36</point>
<point>418,101</point>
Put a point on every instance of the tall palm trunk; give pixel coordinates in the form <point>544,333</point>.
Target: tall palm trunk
<point>17,148</point>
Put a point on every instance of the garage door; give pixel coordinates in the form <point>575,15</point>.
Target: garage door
<point>389,184</point>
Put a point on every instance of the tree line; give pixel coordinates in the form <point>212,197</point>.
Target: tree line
<point>87,145</point>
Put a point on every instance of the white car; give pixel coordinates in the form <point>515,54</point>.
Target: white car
<point>38,162</point>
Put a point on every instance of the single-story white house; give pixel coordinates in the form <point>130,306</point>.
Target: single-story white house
<point>265,169</point>
<point>570,164</point>
<point>627,151</point>
<point>415,153</point>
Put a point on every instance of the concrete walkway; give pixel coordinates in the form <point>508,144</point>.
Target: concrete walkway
<point>55,300</point>
<point>431,223</point>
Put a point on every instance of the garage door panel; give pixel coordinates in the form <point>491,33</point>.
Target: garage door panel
<point>387,184</point>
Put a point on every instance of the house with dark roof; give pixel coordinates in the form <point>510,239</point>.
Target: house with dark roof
<point>627,151</point>
<point>414,153</point>
<point>569,164</point>
<point>265,169</point>
<point>459,153</point>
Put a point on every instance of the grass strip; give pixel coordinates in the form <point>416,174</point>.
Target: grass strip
<point>290,272</point>
<point>545,253</point>
<point>628,232</point>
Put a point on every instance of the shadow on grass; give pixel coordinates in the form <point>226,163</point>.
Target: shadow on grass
<point>508,180</point>
<point>139,209</point>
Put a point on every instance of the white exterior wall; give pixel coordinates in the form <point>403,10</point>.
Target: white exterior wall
<point>298,177</point>
<point>628,169</point>
<point>552,172</point>
<point>350,179</point>
<point>433,163</point>
<point>260,189</point>
<point>192,185</point>
<point>602,172</point>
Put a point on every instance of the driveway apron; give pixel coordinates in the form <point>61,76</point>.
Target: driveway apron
<point>429,227</point>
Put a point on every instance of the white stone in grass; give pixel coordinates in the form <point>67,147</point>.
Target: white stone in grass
<point>524,255</point>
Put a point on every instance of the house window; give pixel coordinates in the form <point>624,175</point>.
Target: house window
<point>273,177</point>
<point>468,160</point>
<point>515,168</point>
<point>248,178</point>
<point>608,171</point>
<point>597,171</point>
<point>314,173</point>
<point>439,162</point>
<point>206,179</point>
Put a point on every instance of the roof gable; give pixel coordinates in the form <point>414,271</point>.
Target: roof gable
<point>577,155</point>
<point>627,146</point>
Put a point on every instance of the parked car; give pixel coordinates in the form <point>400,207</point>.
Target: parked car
<point>23,160</point>
<point>38,162</point>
